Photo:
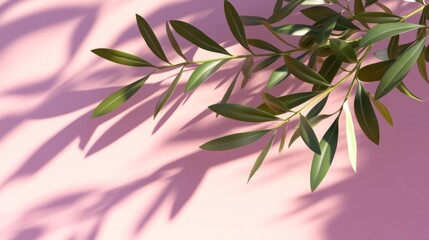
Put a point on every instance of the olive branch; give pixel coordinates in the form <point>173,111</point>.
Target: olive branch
<point>341,40</point>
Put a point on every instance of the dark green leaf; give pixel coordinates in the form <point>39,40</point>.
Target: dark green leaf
<point>421,64</point>
<point>399,69</point>
<point>312,121</point>
<point>317,108</point>
<point>150,38</point>
<point>168,93</point>
<point>242,113</point>
<point>197,37</point>
<point>374,72</point>
<point>247,70</point>
<point>326,30</point>
<point>365,115</point>
<point>382,109</point>
<point>377,17</point>
<point>392,48</point>
<point>234,140</point>
<point>308,135</point>
<point>303,72</point>
<point>173,41</point>
<point>202,73</point>
<point>121,57</point>
<point>118,98</point>
<point>265,63</point>
<point>386,30</point>
<point>274,103</point>
<point>292,100</point>
<point>277,76</point>
<point>321,13</point>
<point>322,162</point>
<point>235,24</point>
<point>286,10</point>
<point>329,70</point>
<point>403,89</point>
<point>251,20</point>
<point>261,158</point>
<point>262,45</point>
<point>296,29</point>
<point>343,50</point>
<point>359,8</point>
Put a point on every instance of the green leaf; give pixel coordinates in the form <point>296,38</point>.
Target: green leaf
<point>399,69</point>
<point>230,89</point>
<point>252,20</point>
<point>296,29</point>
<point>118,98</point>
<point>421,64</point>
<point>382,109</point>
<point>303,72</point>
<point>262,45</point>
<point>358,7</point>
<point>308,135</point>
<point>329,70</point>
<point>386,30</point>
<point>150,38</point>
<point>277,76</point>
<point>235,24</point>
<point>234,140</point>
<point>377,17</point>
<point>317,108</point>
<point>374,72</point>
<point>392,48</point>
<point>274,103</point>
<point>121,57</point>
<point>322,162</point>
<point>283,139</point>
<point>321,13</point>
<point>247,70</point>
<point>261,158</point>
<point>312,121</point>
<point>168,93</point>
<point>292,100</point>
<point>197,37</point>
<point>366,116</point>
<point>326,30</point>
<point>403,89</point>
<point>343,50</point>
<point>202,73</point>
<point>173,42</point>
<point>286,10</point>
<point>265,63</point>
<point>242,113</point>
<point>350,136</point>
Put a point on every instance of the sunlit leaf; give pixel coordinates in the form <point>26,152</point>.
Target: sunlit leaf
<point>234,140</point>
<point>382,109</point>
<point>121,57</point>
<point>386,30</point>
<point>202,73</point>
<point>261,158</point>
<point>343,50</point>
<point>277,76</point>
<point>168,93</point>
<point>365,115</point>
<point>350,136</point>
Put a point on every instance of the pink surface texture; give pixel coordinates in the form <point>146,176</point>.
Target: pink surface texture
<point>64,176</point>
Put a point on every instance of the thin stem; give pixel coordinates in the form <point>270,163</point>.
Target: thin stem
<point>413,13</point>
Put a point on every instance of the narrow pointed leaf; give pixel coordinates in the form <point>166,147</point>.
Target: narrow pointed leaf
<point>365,115</point>
<point>202,73</point>
<point>321,13</point>
<point>121,57</point>
<point>374,72</point>
<point>328,71</point>
<point>296,29</point>
<point>312,121</point>
<point>286,10</point>
<point>377,17</point>
<point>197,37</point>
<point>350,136</point>
<point>274,103</point>
<point>308,135</point>
<point>283,139</point>
<point>317,108</point>
<point>235,24</point>
<point>292,100</point>
<point>230,89</point>
<point>247,70</point>
<point>358,7</point>
<point>392,48</point>
<point>168,93</point>
<point>399,69</point>
<point>386,30</point>
<point>303,72</point>
<point>242,113</point>
<point>343,50</point>
<point>421,64</point>
<point>150,38</point>
<point>382,109</point>
<point>322,162</point>
<point>265,63</point>
<point>261,158</point>
<point>403,89</point>
<point>326,31</point>
<point>252,20</point>
<point>118,98</point>
<point>234,140</point>
<point>277,76</point>
<point>173,41</point>
<point>263,45</point>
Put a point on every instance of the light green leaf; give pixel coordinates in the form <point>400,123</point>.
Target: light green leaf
<point>277,76</point>
<point>242,113</point>
<point>252,20</point>
<point>399,69</point>
<point>118,98</point>
<point>343,50</point>
<point>322,162</point>
<point>261,158</point>
<point>168,93</point>
<point>350,136</point>
<point>386,30</point>
<point>197,37</point>
<point>382,109</point>
<point>312,121</point>
<point>366,116</point>
<point>403,89</point>
<point>230,89</point>
<point>234,140</point>
<point>235,24</point>
<point>121,57</point>
<point>202,73</point>
<point>308,135</point>
<point>296,29</point>
<point>150,38</point>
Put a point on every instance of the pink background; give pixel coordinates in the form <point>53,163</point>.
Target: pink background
<point>127,176</point>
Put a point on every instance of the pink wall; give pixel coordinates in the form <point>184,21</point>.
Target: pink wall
<point>127,176</point>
